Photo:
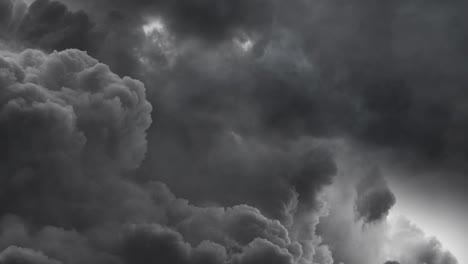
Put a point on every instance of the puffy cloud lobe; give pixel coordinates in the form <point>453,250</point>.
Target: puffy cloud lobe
<point>282,183</point>
<point>81,114</point>
<point>301,112</point>
<point>374,198</point>
<point>96,103</point>
<point>348,237</point>
<point>413,246</point>
<point>235,228</point>
<point>239,234</point>
<point>68,246</point>
<point>64,115</point>
<point>14,255</point>
<point>153,243</point>
<point>263,251</point>
<point>186,234</point>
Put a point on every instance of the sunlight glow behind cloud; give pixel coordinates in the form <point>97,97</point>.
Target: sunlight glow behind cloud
<point>155,24</point>
<point>445,232</point>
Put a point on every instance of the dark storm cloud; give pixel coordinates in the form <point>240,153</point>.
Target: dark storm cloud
<point>11,14</point>
<point>232,125</point>
<point>51,26</point>
<point>419,247</point>
<point>74,129</point>
<point>258,239</point>
<point>6,7</point>
<point>210,19</point>
<point>374,198</point>
<point>406,82</point>
<point>58,112</point>
<point>367,57</point>
<point>45,24</point>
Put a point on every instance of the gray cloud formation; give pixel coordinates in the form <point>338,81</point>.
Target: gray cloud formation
<point>12,13</point>
<point>20,255</point>
<point>63,114</point>
<point>419,247</point>
<point>74,132</point>
<point>374,198</point>
<point>212,19</point>
<point>376,95</point>
<point>243,123</point>
<point>355,241</point>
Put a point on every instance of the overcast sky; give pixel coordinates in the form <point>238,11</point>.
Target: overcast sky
<point>233,132</point>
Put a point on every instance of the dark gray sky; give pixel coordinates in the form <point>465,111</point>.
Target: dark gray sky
<point>233,132</point>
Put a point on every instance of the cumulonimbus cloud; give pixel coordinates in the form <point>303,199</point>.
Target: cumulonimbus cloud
<point>232,126</point>
<point>73,129</point>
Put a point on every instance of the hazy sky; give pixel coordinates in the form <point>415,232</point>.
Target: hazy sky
<point>436,210</point>
<point>233,132</point>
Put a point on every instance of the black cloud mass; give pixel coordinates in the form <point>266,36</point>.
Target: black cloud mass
<point>225,132</point>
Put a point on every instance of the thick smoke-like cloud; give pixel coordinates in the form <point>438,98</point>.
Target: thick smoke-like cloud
<point>418,247</point>
<point>74,131</point>
<point>61,115</point>
<point>20,255</point>
<point>374,198</point>
<point>242,91</point>
<point>353,240</point>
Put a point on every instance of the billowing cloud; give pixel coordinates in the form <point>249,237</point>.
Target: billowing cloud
<point>65,118</point>
<point>246,96</point>
<point>356,240</point>
<point>75,129</point>
<point>411,245</point>
<point>21,255</point>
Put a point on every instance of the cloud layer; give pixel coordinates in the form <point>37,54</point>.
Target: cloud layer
<point>248,100</point>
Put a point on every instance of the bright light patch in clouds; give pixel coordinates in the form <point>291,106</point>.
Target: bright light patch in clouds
<point>245,44</point>
<point>427,206</point>
<point>158,40</point>
<point>432,228</point>
<point>156,24</point>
